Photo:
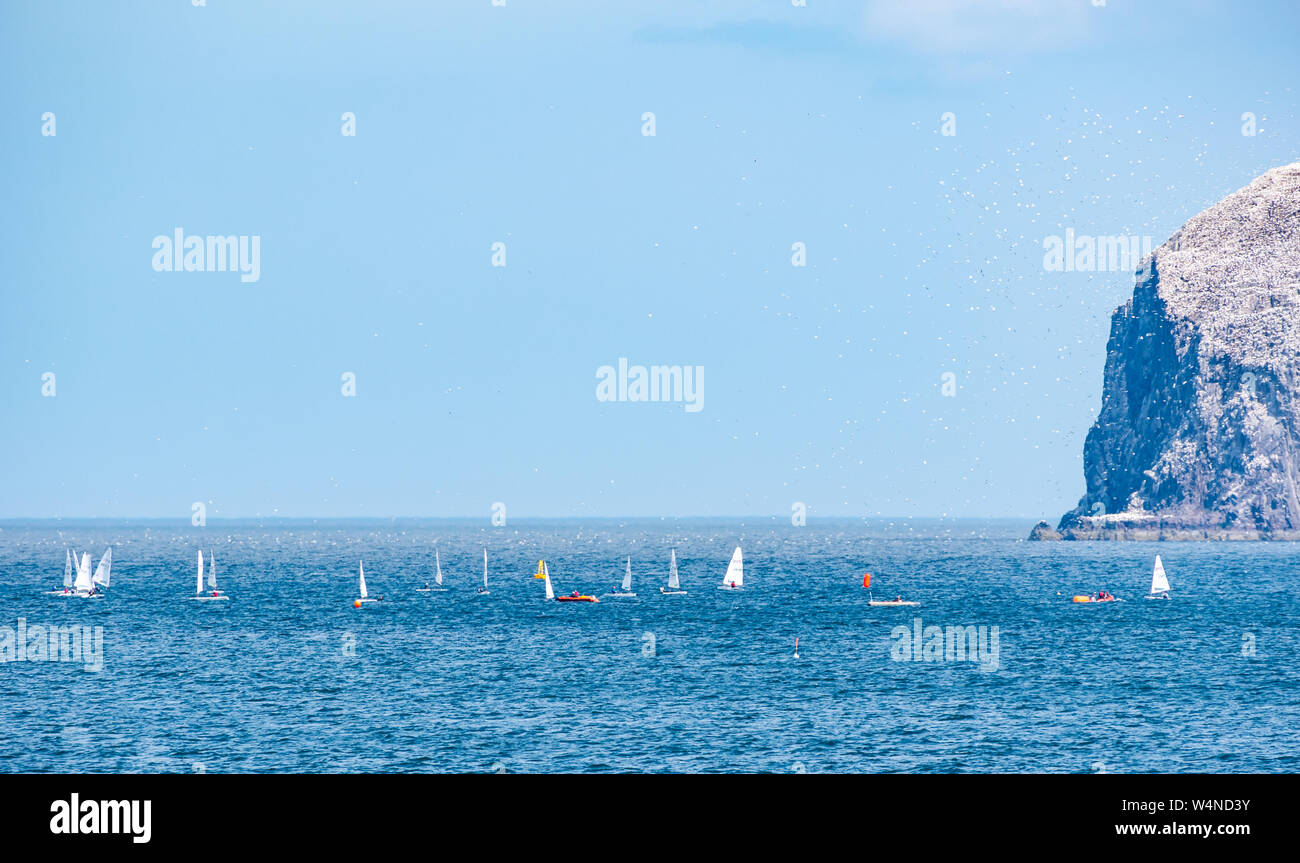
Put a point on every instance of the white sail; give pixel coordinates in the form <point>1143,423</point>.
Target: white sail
<point>212,570</point>
<point>546,574</point>
<point>105,565</point>
<point>485,569</point>
<point>627,577</point>
<point>82,584</point>
<point>673,583</point>
<point>437,568</point>
<point>67,568</point>
<point>735,576</point>
<point>198,585</point>
<point>1159,582</point>
<point>364,595</point>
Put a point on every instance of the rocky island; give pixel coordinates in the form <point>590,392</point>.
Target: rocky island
<point>1198,436</point>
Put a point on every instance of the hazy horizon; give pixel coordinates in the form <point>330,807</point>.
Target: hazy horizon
<point>523,519</point>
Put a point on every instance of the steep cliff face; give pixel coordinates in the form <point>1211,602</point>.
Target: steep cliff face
<point>1199,431</point>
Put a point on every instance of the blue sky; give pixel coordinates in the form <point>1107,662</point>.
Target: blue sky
<point>476,124</point>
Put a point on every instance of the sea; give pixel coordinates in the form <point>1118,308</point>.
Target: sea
<point>290,676</point>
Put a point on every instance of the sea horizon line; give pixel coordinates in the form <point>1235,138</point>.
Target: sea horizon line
<point>513,519</point>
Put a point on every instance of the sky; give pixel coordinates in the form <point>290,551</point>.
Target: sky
<point>922,362</point>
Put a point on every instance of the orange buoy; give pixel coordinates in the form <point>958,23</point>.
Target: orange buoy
<point>866,580</point>
<point>356,603</point>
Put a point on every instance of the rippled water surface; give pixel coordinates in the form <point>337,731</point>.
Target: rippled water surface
<point>289,676</point>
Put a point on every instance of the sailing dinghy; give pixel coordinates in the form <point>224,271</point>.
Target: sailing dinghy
<point>365,595</point>
<point>1159,582</point>
<point>67,576</point>
<point>100,581</point>
<point>674,587</point>
<point>483,591</point>
<point>87,587</point>
<point>81,584</point>
<point>546,575</point>
<point>735,577</point>
<point>211,594</point>
<point>437,577</point>
<point>625,590</point>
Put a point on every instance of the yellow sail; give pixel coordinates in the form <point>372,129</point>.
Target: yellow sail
<point>540,568</point>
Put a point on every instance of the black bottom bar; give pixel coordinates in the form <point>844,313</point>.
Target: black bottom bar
<point>333,813</point>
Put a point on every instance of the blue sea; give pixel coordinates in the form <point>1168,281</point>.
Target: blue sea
<point>290,676</point>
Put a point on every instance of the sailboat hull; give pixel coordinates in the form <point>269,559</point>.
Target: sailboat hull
<point>583,598</point>
<point>891,603</point>
<point>729,587</point>
<point>666,592</point>
<point>210,598</point>
<point>623,595</point>
<point>431,590</point>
